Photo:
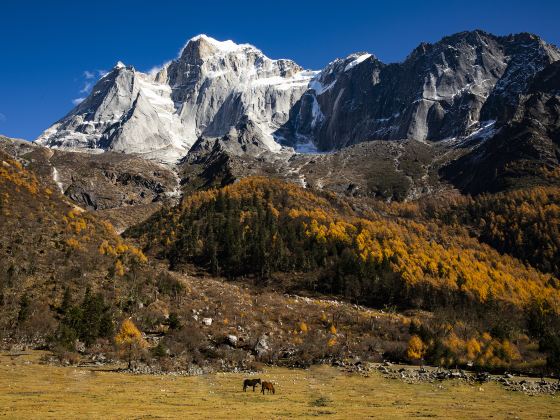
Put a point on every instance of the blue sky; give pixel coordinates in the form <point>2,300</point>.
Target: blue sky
<point>52,50</point>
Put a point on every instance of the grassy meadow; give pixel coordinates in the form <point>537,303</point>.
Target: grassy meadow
<point>29,390</point>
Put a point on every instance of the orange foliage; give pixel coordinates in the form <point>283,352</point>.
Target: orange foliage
<point>416,348</point>
<point>422,255</point>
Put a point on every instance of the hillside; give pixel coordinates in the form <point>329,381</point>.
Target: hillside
<point>261,226</point>
<point>291,239</point>
<point>51,252</point>
<point>122,188</point>
<point>69,279</point>
<point>524,223</point>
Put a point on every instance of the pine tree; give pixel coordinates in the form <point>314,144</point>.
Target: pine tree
<point>24,308</point>
<point>66,301</point>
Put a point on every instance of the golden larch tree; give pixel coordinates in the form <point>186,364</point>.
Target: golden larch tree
<point>416,348</point>
<point>129,340</point>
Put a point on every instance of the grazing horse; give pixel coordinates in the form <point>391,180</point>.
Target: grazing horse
<point>250,382</point>
<point>268,386</point>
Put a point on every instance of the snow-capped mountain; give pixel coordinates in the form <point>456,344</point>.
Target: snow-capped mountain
<point>461,85</point>
<point>206,91</point>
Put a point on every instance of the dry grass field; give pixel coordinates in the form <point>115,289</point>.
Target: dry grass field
<point>32,390</point>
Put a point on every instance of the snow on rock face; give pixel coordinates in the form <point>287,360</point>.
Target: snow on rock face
<point>359,58</point>
<point>204,92</point>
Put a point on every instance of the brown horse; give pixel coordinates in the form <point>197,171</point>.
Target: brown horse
<point>250,382</point>
<point>268,386</point>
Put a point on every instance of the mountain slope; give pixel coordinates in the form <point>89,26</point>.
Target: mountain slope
<point>123,187</point>
<point>270,229</point>
<point>49,245</point>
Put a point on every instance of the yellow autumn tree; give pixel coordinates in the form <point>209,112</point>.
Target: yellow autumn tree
<point>473,349</point>
<point>416,348</point>
<point>119,268</point>
<point>130,341</point>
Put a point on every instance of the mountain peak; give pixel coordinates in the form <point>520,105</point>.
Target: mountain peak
<point>206,43</point>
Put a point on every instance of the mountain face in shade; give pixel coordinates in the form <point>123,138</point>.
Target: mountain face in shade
<point>445,90</point>
<point>524,151</point>
<point>465,85</point>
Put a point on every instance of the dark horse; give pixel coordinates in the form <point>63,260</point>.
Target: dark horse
<point>268,386</point>
<point>250,382</point>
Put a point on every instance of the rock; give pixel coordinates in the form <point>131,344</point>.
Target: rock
<point>442,375</point>
<point>383,369</point>
<point>442,90</point>
<point>79,346</point>
<point>262,346</point>
<point>436,93</point>
<point>232,340</point>
<point>207,321</point>
<point>482,377</point>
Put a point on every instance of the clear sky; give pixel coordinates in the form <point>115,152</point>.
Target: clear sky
<point>51,51</point>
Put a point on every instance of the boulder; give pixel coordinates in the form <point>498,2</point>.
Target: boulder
<point>232,340</point>
<point>262,346</point>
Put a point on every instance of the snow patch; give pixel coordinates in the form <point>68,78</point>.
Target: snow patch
<point>56,179</point>
<point>316,113</point>
<point>485,131</point>
<point>359,59</point>
<point>318,87</point>
<point>307,147</point>
<point>224,47</point>
<point>299,79</point>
